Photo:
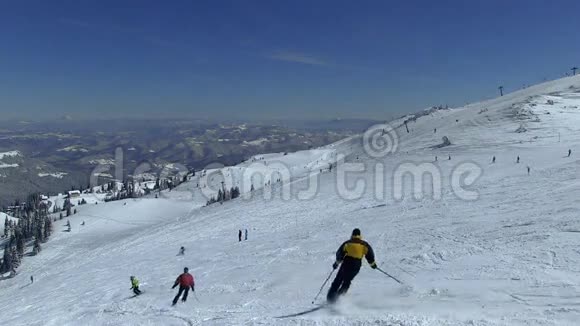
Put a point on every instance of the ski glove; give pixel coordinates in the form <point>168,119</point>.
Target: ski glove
<point>374,266</point>
<point>335,265</point>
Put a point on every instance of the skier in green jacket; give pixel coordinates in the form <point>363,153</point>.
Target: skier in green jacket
<point>135,285</point>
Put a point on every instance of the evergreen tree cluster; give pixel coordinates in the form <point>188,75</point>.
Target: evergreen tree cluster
<point>67,206</point>
<point>169,183</point>
<point>127,191</point>
<point>34,224</point>
<point>130,190</point>
<point>224,195</point>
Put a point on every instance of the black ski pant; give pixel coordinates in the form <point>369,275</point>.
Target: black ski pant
<point>136,290</point>
<point>341,283</point>
<point>181,289</point>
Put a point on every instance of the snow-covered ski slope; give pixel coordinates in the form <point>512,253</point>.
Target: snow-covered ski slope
<point>507,256</point>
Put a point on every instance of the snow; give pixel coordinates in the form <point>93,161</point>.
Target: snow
<point>9,154</point>
<point>58,175</point>
<point>145,176</point>
<point>256,142</point>
<point>507,257</point>
<point>74,148</point>
<point>3,217</point>
<point>90,198</point>
<point>103,175</point>
<point>102,161</point>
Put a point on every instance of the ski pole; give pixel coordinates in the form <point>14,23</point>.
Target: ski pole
<point>323,285</point>
<point>389,275</point>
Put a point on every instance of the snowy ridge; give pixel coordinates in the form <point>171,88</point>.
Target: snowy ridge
<point>510,257</point>
<point>266,171</point>
<point>58,175</point>
<point>4,165</point>
<point>9,154</point>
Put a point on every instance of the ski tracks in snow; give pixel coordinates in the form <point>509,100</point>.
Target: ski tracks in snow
<point>159,315</point>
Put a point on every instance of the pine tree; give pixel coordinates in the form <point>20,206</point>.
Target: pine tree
<point>67,207</point>
<point>20,244</point>
<point>15,257</point>
<point>47,228</point>
<point>36,249</point>
<point>6,226</point>
<point>6,260</point>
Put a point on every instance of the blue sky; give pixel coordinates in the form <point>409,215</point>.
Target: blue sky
<point>274,59</point>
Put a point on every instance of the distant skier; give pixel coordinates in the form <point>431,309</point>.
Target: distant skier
<point>181,251</point>
<point>529,170</point>
<point>240,235</point>
<point>569,152</point>
<point>135,285</point>
<point>493,160</point>
<point>435,158</point>
<point>350,254</point>
<point>449,157</point>
<point>246,234</point>
<point>518,159</point>
<point>185,282</point>
<point>31,279</point>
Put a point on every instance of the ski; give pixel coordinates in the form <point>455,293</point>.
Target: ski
<point>305,312</point>
<point>133,296</point>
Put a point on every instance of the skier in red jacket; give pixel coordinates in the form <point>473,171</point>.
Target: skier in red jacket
<point>185,282</point>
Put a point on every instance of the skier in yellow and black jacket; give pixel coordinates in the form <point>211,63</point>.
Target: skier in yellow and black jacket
<point>349,257</point>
